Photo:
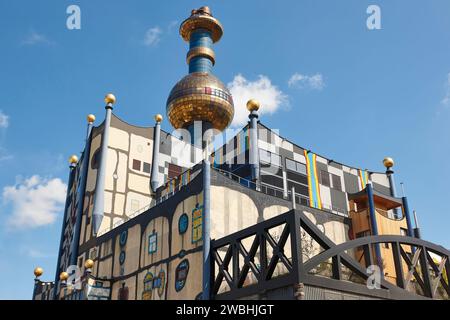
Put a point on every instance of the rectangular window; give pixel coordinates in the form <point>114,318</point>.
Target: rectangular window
<point>324,178</point>
<point>403,232</point>
<point>275,159</point>
<point>146,167</point>
<point>197,222</point>
<point>174,171</point>
<point>264,156</point>
<point>295,166</point>
<point>106,248</point>
<point>291,165</point>
<point>152,242</point>
<point>301,168</point>
<point>136,165</point>
<point>336,182</point>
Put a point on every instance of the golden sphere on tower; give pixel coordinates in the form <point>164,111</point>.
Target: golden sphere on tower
<point>252,105</point>
<point>110,98</point>
<point>388,162</point>
<point>38,272</point>
<point>90,118</point>
<point>200,96</point>
<point>73,159</point>
<point>89,264</point>
<point>63,276</point>
<point>158,118</point>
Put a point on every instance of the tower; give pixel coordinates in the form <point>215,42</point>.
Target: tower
<point>200,97</point>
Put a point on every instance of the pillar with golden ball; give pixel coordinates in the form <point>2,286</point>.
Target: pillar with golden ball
<point>73,161</point>
<point>99,197</point>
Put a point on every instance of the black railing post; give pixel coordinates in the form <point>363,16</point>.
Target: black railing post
<point>235,257</point>
<point>294,221</point>
<point>262,256</point>
<point>400,279</point>
<point>425,272</point>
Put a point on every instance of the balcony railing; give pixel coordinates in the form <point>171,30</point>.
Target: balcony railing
<point>275,254</point>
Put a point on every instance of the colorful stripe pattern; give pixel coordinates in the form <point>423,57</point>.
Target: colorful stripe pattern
<point>176,183</point>
<point>313,180</point>
<point>363,178</point>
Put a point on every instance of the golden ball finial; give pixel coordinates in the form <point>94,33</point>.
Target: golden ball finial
<point>158,118</point>
<point>90,118</point>
<point>38,272</point>
<point>205,10</point>
<point>73,159</point>
<point>110,98</point>
<point>89,264</point>
<point>252,105</point>
<point>63,276</point>
<point>388,162</point>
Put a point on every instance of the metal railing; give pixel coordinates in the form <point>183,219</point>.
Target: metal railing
<point>280,193</point>
<point>245,182</point>
<point>252,260</point>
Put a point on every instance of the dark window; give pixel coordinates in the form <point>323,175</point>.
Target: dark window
<point>403,232</point>
<point>362,234</point>
<point>95,159</point>
<point>123,293</point>
<point>297,177</point>
<point>146,167</point>
<point>272,180</point>
<point>136,165</point>
<point>324,178</point>
<point>174,170</point>
<point>301,189</point>
<point>336,182</point>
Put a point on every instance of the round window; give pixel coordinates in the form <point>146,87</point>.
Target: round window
<point>183,223</point>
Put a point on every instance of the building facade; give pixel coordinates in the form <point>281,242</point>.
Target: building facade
<point>153,216</point>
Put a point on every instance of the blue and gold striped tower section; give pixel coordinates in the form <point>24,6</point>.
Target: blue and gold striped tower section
<point>99,198</point>
<point>201,100</point>
<point>199,97</point>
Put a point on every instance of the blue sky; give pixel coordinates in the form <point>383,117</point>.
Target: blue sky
<point>355,95</point>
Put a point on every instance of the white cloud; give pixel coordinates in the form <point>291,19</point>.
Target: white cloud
<point>34,38</point>
<point>262,89</point>
<point>446,100</point>
<point>172,25</point>
<point>302,81</point>
<point>4,120</point>
<point>152,36</point>
<point>35,201</point>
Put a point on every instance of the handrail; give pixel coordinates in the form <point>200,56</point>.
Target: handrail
<point>265,187</point>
